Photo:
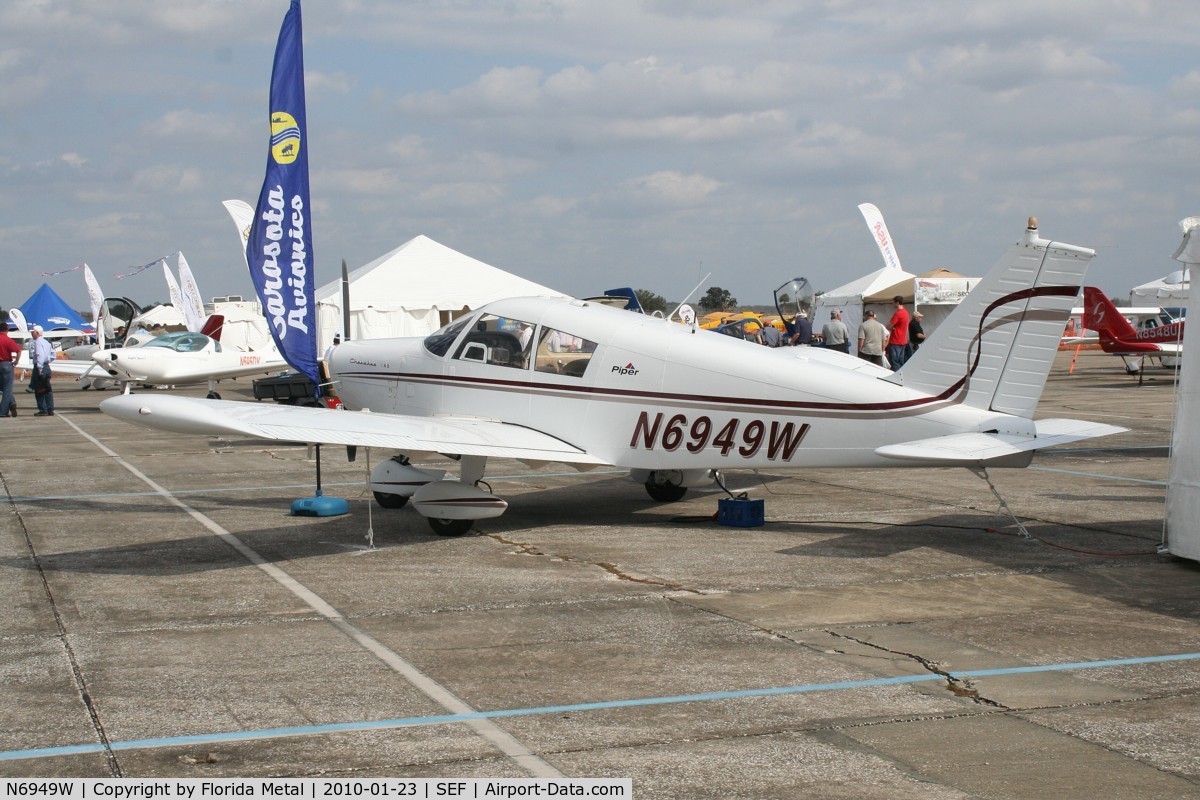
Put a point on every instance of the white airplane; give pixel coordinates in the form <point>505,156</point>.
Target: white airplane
<point>674,405</point>
<point>62,365</point>
<point>184,357</point>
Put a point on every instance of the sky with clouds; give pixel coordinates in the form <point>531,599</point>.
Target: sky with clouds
<point>586,144</point>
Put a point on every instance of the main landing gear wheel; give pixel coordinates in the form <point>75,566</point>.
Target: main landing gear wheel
<point>213,396</point>
<point>665,492</point>
<point>450,527</point>
<point>388,500</point>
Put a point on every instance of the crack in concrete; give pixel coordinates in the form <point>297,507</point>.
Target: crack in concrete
<point>960,687</point>
<point>63,637</point>
<point>612,569</point>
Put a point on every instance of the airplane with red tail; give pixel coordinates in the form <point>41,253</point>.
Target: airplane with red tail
<point>1119,337</point>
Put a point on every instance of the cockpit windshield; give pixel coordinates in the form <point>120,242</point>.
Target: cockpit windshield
<point>183,342</point>
<point>792,298</point>
<point>440,340</point>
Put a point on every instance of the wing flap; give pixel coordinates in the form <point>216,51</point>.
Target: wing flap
<point>978,446</point>
<point>459,436</point>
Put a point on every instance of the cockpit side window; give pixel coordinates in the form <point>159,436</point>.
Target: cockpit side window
<point>192,343</point>
<point>500,341</point>
<point>563,353</point>
<point>440,340</point>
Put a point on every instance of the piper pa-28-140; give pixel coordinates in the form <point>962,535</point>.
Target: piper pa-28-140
<point>543,380</point>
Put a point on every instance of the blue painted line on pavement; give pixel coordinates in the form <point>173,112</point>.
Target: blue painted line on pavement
<point>1071,450</point>
<point>1099,475</point>
<point>408,722</point>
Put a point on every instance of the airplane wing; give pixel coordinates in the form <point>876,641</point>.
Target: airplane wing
<point>974,447</point>
<point>467,436</point>
<point>59,366</point>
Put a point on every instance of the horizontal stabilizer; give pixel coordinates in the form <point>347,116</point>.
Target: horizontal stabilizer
<point>455,435</point>
<point>976,447</point>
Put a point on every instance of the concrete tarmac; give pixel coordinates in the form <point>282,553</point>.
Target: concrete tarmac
<point>887,633</point>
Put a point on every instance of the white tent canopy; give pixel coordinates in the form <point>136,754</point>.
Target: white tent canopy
<point>874,291</point>
<point>1178,284</point>
<point>940,291</point>
<point>406,291</point>
<point>1169,287</point>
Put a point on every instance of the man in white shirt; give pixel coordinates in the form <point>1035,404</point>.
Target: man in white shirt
<point>41,354</point>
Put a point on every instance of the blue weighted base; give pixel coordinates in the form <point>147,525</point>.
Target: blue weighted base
<point>319,506</point>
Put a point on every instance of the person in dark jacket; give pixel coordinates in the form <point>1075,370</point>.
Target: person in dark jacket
<point>803,327</point>
<point>916,334</point>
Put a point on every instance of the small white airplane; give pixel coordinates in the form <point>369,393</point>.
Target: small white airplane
<point>61,365</point>
<point>184,357</point>
<point>592,385</point>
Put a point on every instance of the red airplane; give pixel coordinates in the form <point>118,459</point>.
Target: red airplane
<point>1118,336</point>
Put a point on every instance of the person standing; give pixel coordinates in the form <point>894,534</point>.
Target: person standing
<point>871,336</point>
<point>916,333</point>
<point>835,334</point>
<point>10,351</point>
<point>803,328</point>
<point>41,353</point>
<point>897,349</point>
<point>337,339</point>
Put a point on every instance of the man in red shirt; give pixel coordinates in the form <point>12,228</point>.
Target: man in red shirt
<point>897,349</point>
<point>10,351</point>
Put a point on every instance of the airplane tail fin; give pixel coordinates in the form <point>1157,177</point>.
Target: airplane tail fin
<point>1101,316</point>
<point>213,326</point>
<point>995,349</point>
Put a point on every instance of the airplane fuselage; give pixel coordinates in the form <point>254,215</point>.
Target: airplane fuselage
<point>652,394</point>
<point>165,366</point>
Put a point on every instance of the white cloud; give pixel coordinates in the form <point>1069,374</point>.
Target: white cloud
<point>991,69</point>
<point>189,125</point>
<point>168,178</point>
<point>1187,86</point>
<point>674,188</point>
<point>335,82</point>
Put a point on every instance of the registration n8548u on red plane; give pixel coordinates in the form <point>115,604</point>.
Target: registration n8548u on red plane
<point>542,380</point>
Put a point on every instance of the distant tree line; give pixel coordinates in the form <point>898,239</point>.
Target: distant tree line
<point>715,299</point>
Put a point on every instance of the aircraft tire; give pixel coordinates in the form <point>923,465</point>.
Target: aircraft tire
<point>388,500</point>
<point>450,527</point>
<point>213,396</point>
<point>665,492</point>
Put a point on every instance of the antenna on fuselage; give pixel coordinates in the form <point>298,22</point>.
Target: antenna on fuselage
<point>689,296</point>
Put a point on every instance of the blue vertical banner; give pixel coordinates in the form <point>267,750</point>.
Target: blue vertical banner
<point>279,251</point>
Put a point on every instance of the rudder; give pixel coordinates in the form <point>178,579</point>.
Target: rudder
<point>995,349</point>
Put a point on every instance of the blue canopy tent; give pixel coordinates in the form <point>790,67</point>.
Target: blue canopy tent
<point>44,307</point>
